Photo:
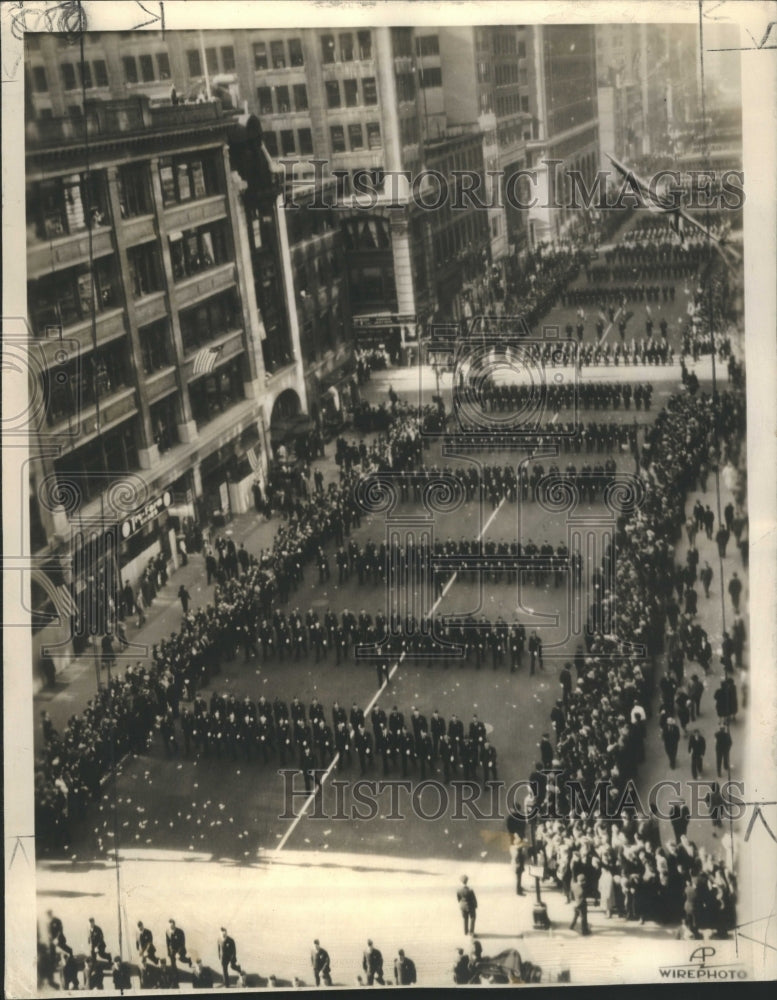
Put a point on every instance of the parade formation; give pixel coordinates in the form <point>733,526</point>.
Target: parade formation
<point>442,604</point>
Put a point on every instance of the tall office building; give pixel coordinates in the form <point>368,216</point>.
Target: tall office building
<point>156,400</point>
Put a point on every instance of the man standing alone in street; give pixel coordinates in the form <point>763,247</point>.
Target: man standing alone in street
<point>468,905</point>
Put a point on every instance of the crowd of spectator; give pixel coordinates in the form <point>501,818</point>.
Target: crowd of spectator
<point>601,730</point>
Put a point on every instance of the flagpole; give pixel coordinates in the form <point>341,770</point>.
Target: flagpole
<point>204,65</point>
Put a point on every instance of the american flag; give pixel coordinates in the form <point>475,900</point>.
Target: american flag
<point>66,606</point>
<point>253,461</point>
<point>205,360</point>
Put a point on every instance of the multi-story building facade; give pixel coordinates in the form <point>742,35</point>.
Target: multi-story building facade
<point>143,315</point>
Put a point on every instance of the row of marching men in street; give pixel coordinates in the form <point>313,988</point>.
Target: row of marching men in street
<point>297,734</point>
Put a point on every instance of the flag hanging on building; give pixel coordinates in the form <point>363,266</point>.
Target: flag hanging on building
<point>205,360</point>
<point>253,461</point>
<point>66,606</point>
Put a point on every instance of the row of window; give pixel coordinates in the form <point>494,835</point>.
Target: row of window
<point>355,137</point>
<point>460,236</point>
<point>62,206</point>
<point>276,100</point>
<point>427,45</point>
<point>506,44</point>
<point>65,205</point>
<point>146,68</point>
<point>506,73</point>
<point>511,104</point>
<point>90,75</point>
<point>346,50</point>
<point>63,298</point>
<point>281,54</point>
<point>350,93</point>
<point>116,451</point>
<point>80,382</point>
<point>217,60</point>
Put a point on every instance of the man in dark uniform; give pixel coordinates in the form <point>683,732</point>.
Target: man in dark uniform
<point>404,970</point>
<point>96,941</point>
<point>581,905</point>
<point>372,963</point>
<point>228,955</point>
<point>722,748</point>
<point>468,905</point>
<point>319,959</point>
<point>488,759</point>
<point>697,747</point>
<point>176,944</point>
<point>364,747</point>
<point>437,730</point>
<point>144,943</point>
<point>343,745</point>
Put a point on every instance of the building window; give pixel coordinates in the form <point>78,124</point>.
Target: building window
<point>428,45</point>
<point>351,93</point>
<point>402,39</point>
<point>85,72</point>
<point>145,270</point>
<point>328,48</point>
<point>260,55</point>
<point>408,131</point>
<point>300,97</point>
<point>346,46</point>
<point>264,97</point>
<point>373,135</point>
<point>355,136</point>
<point>271,143</point>
<point>484,72</point>
<point>114,455</point>
<point>209,319</point>
<point>365,44</point>
<point>405,87</point>
<point>66,205</point>
<point>332,94</point>
<point>194,61</point>
<point>305,139</point>
<point>39,82</point>
<point>134,193</point>
<point>69,76</point>
<point>338,138</point>
<point>217,392</point>
<point>282,100</point>
<point>277,55</point>
<point>196,250</point>
<point>525,103</point>
<point>155,346</point>
<point>296,57</point>
<point>146,68</point>
<point>369,90</point>
<point>63,298</point>
<point>100,373</point>
<point>227,58</point>
<point>212,60</point>
<point>431,77</point>
<point>185,179</point>
<point>164,423</point>
<point>163,65</point>
<point>287,142</point>
<point>521,50</point>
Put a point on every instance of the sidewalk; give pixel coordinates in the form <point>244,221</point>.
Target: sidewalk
<point>77,682</point>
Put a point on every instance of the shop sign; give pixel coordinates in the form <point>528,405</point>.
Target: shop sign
<point>146,514</point>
